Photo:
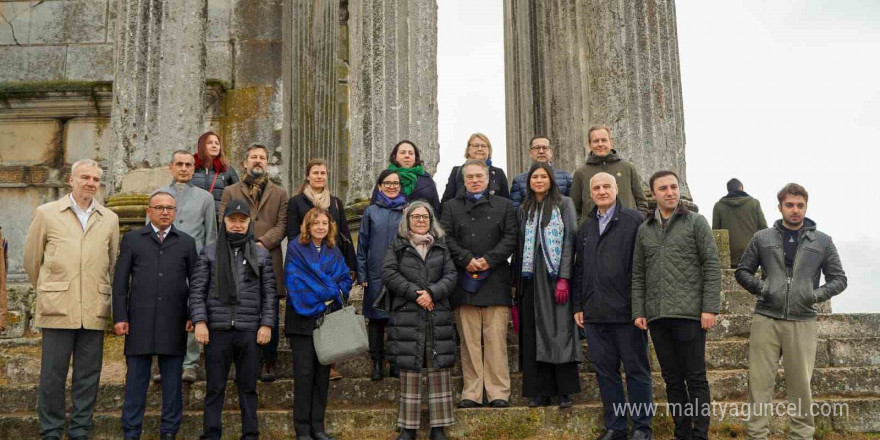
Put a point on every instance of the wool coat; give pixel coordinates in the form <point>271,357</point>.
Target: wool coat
<point>151,290</point>
<point>69,267</point>
<point>378,229</point>
<point>455,185</point>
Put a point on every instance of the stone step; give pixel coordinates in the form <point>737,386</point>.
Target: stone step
<point>361,392</point>
<point>379,422</point>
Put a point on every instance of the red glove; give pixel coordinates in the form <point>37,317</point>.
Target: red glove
<point>561,291</point>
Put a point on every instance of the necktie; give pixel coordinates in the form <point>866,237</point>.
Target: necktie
<point>161,236</point>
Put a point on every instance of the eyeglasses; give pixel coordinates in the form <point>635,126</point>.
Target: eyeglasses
<point>479,146</point>
<point>390,185</point>
<point>164,208</point>
<point>420,217</point>
<point>539,148</point>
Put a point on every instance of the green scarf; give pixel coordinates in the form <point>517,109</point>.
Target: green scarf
<point>408,176</point>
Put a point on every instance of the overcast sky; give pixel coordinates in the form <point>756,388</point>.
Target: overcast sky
<point>774,92</point>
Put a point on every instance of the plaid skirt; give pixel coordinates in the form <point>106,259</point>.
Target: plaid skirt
<point>440,404</point>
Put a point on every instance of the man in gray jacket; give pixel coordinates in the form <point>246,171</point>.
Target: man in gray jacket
<point>676,291</point>
<point>791,255</point>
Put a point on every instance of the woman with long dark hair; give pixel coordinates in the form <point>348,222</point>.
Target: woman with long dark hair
<point>415,182</point>
<point>378,228</point>
<point>549,346</point>
<point>478,147</point>
<point>213,172</point>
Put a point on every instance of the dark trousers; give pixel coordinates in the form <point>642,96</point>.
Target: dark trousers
<point>225,347</point>
<point>137,380</point>
<point>269,352</point>
<point>681,349</point>
<point>87,348</point>
<point>610,345</point>
<point>311,383</point>
<point>376,337</point>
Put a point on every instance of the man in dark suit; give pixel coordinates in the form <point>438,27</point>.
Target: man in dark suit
<point>150,294</point>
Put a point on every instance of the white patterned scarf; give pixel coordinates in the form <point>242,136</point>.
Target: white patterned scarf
<point>551,236</point>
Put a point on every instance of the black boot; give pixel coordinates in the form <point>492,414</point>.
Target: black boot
<point>393,371</point>
<point>437,433</point>
<point>407,434</point>
<point>376,338</point>
<point>377,370</point>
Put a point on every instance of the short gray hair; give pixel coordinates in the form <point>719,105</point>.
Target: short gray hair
<point>478,162</point>
<point>603,174</point>
<point>176,152</point>
<point>160,192</point>
<point>434,227</point>
<point>88,163</point>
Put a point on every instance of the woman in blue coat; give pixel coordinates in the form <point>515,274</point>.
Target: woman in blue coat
<point>378,228</point>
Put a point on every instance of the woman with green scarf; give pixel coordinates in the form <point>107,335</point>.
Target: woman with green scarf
<point>415,182</point>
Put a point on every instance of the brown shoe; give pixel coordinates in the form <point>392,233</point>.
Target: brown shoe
<point>334,375</point>
<point>157,377</point>
<point>189,375</point>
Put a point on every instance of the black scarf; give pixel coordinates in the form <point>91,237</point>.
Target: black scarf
<point>227,272</point>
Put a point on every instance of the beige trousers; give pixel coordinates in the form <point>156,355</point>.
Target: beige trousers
<point>795,342</point>
<point>483,334</point>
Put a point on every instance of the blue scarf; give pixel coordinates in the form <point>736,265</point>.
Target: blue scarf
<point>396,203</point>
<point>552,237</point>
<point>312,278</point>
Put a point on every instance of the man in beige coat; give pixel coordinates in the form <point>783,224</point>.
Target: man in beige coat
<point>69,255</point>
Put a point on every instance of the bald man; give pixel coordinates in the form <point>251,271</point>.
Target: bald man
<point>601,287</point>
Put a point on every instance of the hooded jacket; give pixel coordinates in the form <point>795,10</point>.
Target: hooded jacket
<point>629,185</point>
<point>742,216</point>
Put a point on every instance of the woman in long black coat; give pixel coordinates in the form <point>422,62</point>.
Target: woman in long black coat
<point>213,172</point>
<point>478,147</point>
<point>419,274</point>
<point>549,346</point>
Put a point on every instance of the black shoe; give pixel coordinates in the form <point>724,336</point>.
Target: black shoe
<point>168,436</point>
<point>394,371</point>
<point>641,434</point>
<point>499,403</point>
<point>407,434</point>
<point>377,370</point>
<point>127,438</point>
<point>467,403</point>
<point>51,438</point>
<point>534,402</point>
<point>322,436</point>
<point>82,437</point>
<point>565,401</point>
<point>303,437</point>
<point>437,433</point>
<point>612,435</point>
<point>268,373</point>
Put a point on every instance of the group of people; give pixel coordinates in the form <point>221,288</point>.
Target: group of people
<point>563,256</point>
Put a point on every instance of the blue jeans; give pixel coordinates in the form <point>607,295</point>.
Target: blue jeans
<point>137,380</point>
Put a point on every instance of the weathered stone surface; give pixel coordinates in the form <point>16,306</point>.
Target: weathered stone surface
<point>19,205</point>
<point>257,63</point>
<point>15,27</point>
<point>254,115</point>
<point>570,65</point>
<point>219,12</point>
<point>257,19</point>
<point>144,180</point>
<point>219,62</point>
<point>93,62</point>
<point>33,142</point>
<point>854,351</point>
<point>32,63</point>
<point>61,22</point>
<point>393,85</point>
<point>722,243</point>
<point>87,138</point>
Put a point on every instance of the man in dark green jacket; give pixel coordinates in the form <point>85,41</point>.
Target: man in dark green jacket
<point>676,292</point>
<point>741,215</point>
<point>603,158</point>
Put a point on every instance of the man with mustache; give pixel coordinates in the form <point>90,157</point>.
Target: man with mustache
<point>267,203</point>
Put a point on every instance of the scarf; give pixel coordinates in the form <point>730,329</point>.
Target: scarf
<point>227,270</point>
<point>551,237</point>
<point>321,200</point>
<point>255,186</point>
<point>421,242</point>
<point>408,176</point>
<point>313,277</point>
<point>396,203</point>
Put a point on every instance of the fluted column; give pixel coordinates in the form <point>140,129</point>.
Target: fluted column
<point>393,85</point>
<point>159,84</point>
<point>574,63</point>
<point>311,121</point>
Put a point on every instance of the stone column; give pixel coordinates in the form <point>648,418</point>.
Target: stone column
<point>158,88</point>
<point>393,85</point>
<point>310,55</point>
<point>574,63</point>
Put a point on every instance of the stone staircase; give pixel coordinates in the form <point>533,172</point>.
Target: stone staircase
<point>847,375</point>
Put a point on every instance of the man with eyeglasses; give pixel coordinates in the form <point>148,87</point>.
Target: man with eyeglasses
<point>150,308</point>
<point>195,216</point>
<point>540,151</point>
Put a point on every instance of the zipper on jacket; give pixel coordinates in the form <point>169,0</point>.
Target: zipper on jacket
<point>790,271</point>
<point>234,267</point>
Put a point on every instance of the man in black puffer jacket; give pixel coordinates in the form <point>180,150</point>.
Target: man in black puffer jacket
<point>233,294</point>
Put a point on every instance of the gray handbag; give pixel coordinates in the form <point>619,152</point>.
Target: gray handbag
<point>340,335</point>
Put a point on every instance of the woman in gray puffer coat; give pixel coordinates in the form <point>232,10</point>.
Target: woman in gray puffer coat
<point>419,274</point>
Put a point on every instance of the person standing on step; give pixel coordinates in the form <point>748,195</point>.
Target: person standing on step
<point>194,216</point>
<point>69,254</point>
<point>478,147</point>
<point>676,292</point>
<point>150,295</point>
<point>233,306</point>
<point>317,278</point>
<point>267,203</point>
<point>420,276</point>
<point>602,291</point>
<point>378,228</point>
<point>213,172</point>
<point>741,215</point>
<point>481,233</point>
<point>540,151</point>
<point>549,345</point>
<point>313,192</point>
<point>415,182</point>
<point>792,254</point>
<point>603,158</point>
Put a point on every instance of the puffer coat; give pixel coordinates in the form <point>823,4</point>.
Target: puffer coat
<point>204,177</point>
<point>404,272</point>
<point>256,295</point>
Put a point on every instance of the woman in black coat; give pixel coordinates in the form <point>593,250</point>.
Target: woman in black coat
<point>478,147</point>
<point>419,274</point>
<point>213,172</point>
<point>415,182</point>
